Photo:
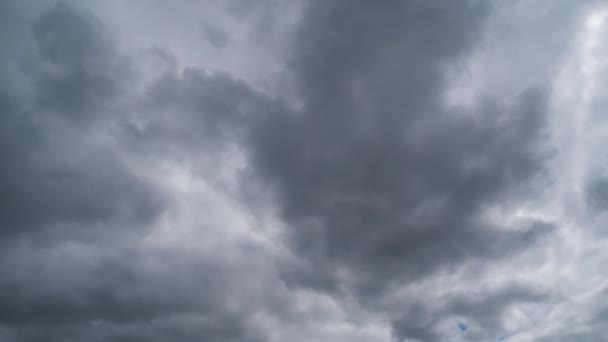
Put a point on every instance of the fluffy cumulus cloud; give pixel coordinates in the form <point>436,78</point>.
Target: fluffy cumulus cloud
<point>301,170</point>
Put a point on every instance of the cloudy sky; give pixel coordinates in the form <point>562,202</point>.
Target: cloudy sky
<point>303,170</point>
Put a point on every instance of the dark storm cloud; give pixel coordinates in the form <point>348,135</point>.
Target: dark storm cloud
<point>374,169</point>
<point>79,73</point>
<point>52,174</point>
<point>121,298</point>
<point>213,108</point>
<point>63,182</point>
<point>72,39</point>
<point>375,176</point>
<point>380,185</point>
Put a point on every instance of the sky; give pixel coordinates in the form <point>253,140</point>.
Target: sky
<point>303,170</point>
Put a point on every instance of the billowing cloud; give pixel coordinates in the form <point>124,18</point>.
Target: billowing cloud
<point>302,170</point>
<point>56,175</point>
<point>380,183</point>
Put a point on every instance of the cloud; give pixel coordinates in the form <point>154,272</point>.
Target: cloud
<point>326,171</point>
<point>123,292</point>
<point>80,210</point>
<point>380,183</point>
<point>486,310</point>
<point>55,175</point>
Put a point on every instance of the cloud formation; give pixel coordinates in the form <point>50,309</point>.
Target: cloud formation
<point>302,170</point>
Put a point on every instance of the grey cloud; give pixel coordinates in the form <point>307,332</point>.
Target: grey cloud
<point>585,324</point>
<point>53,174</point>
<point>216,37</point>
<point>48,179</point>
<point>375,175</point>
<point>76,210</point>
<point>212,108</point>
<point>119,297</point>
<point>481,313</point>
<point>597,194</point>
<point>380,186</point>
<point>79,72</point>
<point>72,39</point>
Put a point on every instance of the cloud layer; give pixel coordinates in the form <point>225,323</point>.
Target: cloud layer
<point>302,170</point>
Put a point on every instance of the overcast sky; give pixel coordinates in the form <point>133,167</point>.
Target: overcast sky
<point>303,170</point>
